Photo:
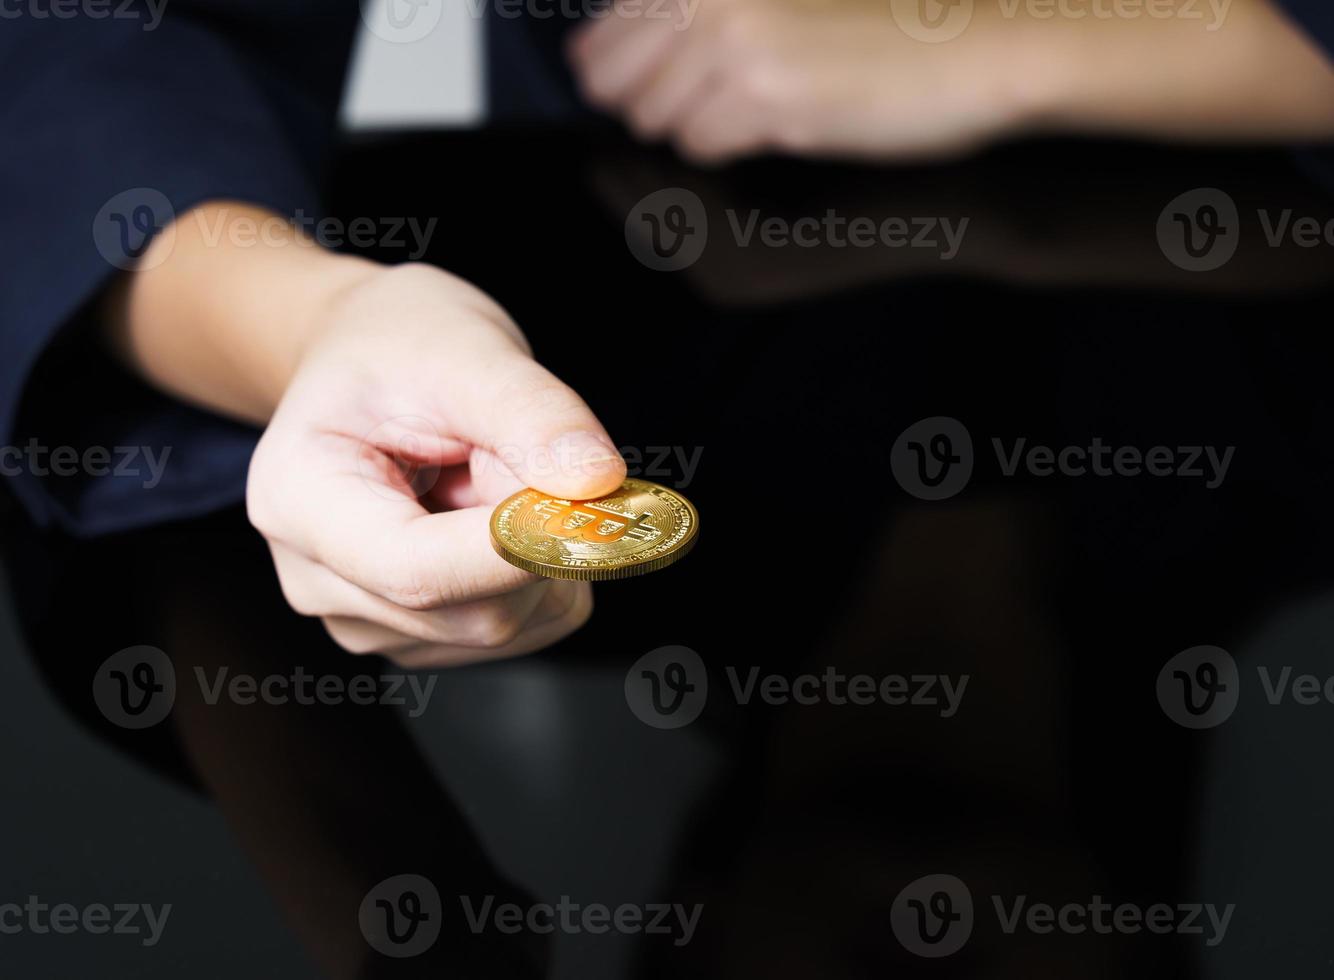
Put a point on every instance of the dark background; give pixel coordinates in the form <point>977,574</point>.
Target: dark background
<point>1062,598</point>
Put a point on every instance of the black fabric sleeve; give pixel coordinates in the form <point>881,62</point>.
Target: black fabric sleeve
<point>117,117</point>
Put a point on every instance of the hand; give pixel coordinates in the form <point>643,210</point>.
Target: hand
<point>416,407</point>
<point>749,76</point>
<point>728,78</point>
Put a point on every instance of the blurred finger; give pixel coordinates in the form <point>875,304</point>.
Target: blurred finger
<point>578,602</point>
<point>596,34</point>
<point>392,548</point>
<point>667,96</point>
<point>617,67</point>
<point>364,636</point>
<point>719,127</point>
<point>314,590</point>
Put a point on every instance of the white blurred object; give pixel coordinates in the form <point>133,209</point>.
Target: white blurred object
<point>416,63</point>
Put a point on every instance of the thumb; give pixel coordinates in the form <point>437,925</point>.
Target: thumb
<point>541,431</point>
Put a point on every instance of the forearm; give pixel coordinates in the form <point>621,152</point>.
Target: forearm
<point>1248,74</point>
<point>223,304</point>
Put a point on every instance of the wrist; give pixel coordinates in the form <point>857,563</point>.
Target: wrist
<point>324,285</point>
<point>224,305</point>
<point>355,311</point>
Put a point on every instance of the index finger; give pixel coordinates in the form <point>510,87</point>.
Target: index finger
<point>398,550</point>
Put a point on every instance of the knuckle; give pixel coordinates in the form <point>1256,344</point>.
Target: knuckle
<point>793,135</point>
<point>644,120</point>
<point>495,626</point>
<point>598,86</point>
<point>535,392</point>
<point>699,146</point>
<point>728,26</point>
<point>584,603</point>
<point>300,601</point>
<point>577,614</point>
<point>414,581</point>
<point>401,660</point>
<point>581,618</point>
<point>738,28</point>
<point>264,480</point>
<point>354,641</point>
<point>411,591</point>
<point>760,82</point>
<point>260,508</point>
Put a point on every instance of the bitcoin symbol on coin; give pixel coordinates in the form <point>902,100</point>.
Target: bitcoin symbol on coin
<point>638,528</point>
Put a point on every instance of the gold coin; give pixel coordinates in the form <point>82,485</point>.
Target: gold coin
<point>637,528</point>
